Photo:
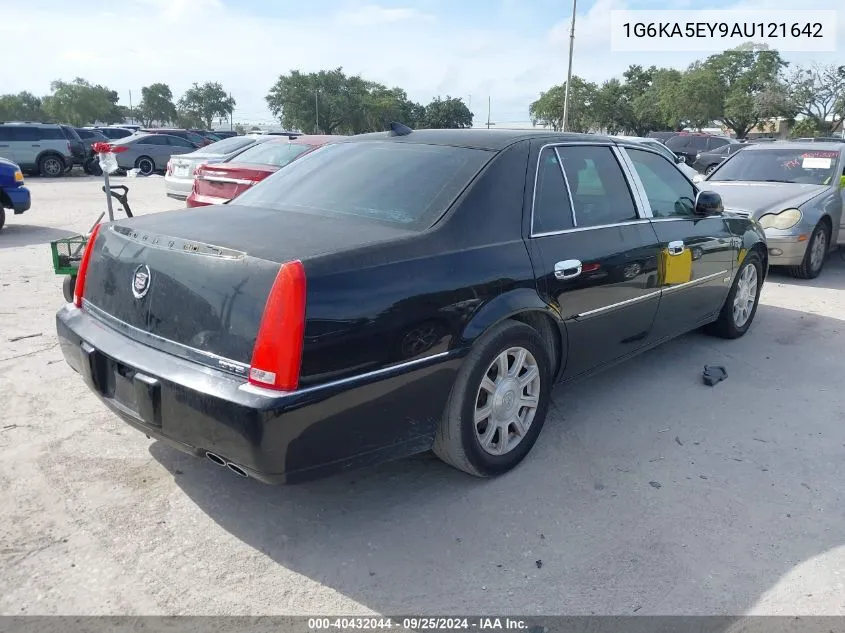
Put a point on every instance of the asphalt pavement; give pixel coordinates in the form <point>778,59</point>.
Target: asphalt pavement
<point>647,492</point>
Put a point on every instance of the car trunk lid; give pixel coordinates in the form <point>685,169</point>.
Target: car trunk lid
<point>231,179</point>
<point>194,282</point>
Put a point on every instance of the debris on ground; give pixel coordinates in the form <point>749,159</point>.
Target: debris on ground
<point>539,563</point>
<point>714,374</point>
<point>15,339</point>
<point>654,484</point>
<point>678,441</point>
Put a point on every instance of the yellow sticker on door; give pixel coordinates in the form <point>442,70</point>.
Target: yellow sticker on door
<point>675,269</point>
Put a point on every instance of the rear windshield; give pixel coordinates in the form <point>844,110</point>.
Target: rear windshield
<point>227,145</point>
<point>270,153</point>
<point>400,183</point>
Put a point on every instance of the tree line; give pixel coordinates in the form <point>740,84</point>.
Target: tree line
<point>741,89</point>
<point>80,102</point>
<point>328,102</point>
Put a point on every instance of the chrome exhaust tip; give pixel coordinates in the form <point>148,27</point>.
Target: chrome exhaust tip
<point>237,469</point>
<point>215,458</point>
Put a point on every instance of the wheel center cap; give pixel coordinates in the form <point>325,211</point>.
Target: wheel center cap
<point>506,399</point>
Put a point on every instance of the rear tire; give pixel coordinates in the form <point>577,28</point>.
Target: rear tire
<point>815,255</point>
<point>145,165</point>
<point>497,407</point>
<point>51,166</point>
<point>740,307</point>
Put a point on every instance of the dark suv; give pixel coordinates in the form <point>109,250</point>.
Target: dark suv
<point>689,145</point>
<point>46,148</point>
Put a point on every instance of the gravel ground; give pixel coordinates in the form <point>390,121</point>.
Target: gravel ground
<point>647,492</point>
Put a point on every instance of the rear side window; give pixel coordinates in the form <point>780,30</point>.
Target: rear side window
<point>5,133</point>
<point>677,142</point>
<point>50,134</point>
<point>70,133</point>
<point>600,193</point>
<point>153,139</point>
<point>715,142</point>
<point>390,181</point>
<point>552,205</point>
<point>176,141</point>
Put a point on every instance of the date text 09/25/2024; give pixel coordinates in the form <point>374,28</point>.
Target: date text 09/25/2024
<point>416,624</point>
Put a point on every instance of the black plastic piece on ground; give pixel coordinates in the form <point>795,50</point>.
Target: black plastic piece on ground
<point>714,374</point>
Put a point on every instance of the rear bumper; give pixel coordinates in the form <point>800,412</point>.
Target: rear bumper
<point>197,200</point>
<point>285,438</point>
<point>20,198</point>
<point>178,188</point>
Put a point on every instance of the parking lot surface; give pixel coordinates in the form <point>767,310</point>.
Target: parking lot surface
<point>647,492</point>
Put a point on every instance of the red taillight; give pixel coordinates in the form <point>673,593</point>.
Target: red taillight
<point>79,288</point>
<point>277,355</point>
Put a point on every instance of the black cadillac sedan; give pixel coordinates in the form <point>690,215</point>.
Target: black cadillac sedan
<point>399,292</point>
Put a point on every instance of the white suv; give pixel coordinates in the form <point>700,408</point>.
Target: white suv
<point>45,148</point>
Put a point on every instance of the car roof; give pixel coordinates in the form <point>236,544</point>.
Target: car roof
<point>807,145</point>
<point>478,138</point>
<point>305,139</point>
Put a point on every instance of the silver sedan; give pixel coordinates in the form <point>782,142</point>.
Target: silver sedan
<point>796,191</point>
<point>149,153</point>
<point>179,178</point>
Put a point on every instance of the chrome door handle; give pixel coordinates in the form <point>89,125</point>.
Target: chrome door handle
<point>568,269</point>
<point>676,248</point>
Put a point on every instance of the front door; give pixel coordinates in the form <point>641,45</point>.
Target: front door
<point>596,258</point>
<point>697,254</point>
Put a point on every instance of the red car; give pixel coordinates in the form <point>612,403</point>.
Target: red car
<point>220,182</point>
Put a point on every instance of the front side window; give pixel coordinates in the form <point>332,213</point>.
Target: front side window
<point>402,183</point>
<point>669,193</point>
<point>600,194</point>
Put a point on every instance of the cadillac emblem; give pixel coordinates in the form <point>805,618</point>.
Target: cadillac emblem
<point>141,281</point>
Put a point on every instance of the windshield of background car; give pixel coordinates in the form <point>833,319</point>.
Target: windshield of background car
<point>227,145</point>
<point>401,183</point>
<point>270,153</point>
<point>784,164</point>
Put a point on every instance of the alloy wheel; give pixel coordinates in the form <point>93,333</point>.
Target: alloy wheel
<point>746,295</point>
<point>145,166</point>
<point>52,167</point>
<point>507,401</point>
<point>818,250</point>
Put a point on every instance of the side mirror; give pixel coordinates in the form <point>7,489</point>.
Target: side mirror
<point>708,203</point>
<point>680,159</point>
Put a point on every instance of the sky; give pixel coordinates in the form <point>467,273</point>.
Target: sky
<point>505,50</point>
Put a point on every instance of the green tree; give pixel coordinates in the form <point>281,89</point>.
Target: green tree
<point>80,103</point>
<point>611,109</point>
<point>23,106</point>
<point>156,104</point>
<point>450,112</point>
<point>818,93</point>
<point>548,109</point>
<point>746,73</point>
<point>804,128</point>
<point>240,129</point>
<point>331,102</point>
<point>206,101</point>
<point>696,100</point>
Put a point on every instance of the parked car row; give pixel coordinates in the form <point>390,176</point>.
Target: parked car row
<point>219,172</point>
<point>51,149</point>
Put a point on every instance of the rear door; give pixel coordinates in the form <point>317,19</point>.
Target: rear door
<point>697,255</point>
<point>594,254</point>
<point>8,146</point>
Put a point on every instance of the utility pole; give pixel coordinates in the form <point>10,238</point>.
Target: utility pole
<point>488,113</point>
<point>317,110</point>
<point>231,113</point>
<point>569,73</point>
<point>131,118</point>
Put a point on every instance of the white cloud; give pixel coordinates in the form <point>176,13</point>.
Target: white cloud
<point>182,41</point>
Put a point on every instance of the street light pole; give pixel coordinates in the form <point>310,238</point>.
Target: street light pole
<point>569,73</point>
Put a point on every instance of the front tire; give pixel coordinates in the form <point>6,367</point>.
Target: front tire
<point>499,402</point>
<point>710,169</point>
<point>740,307</point>
<point>815,255</point>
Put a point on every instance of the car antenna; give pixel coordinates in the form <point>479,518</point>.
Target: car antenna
<point>399,129</point>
